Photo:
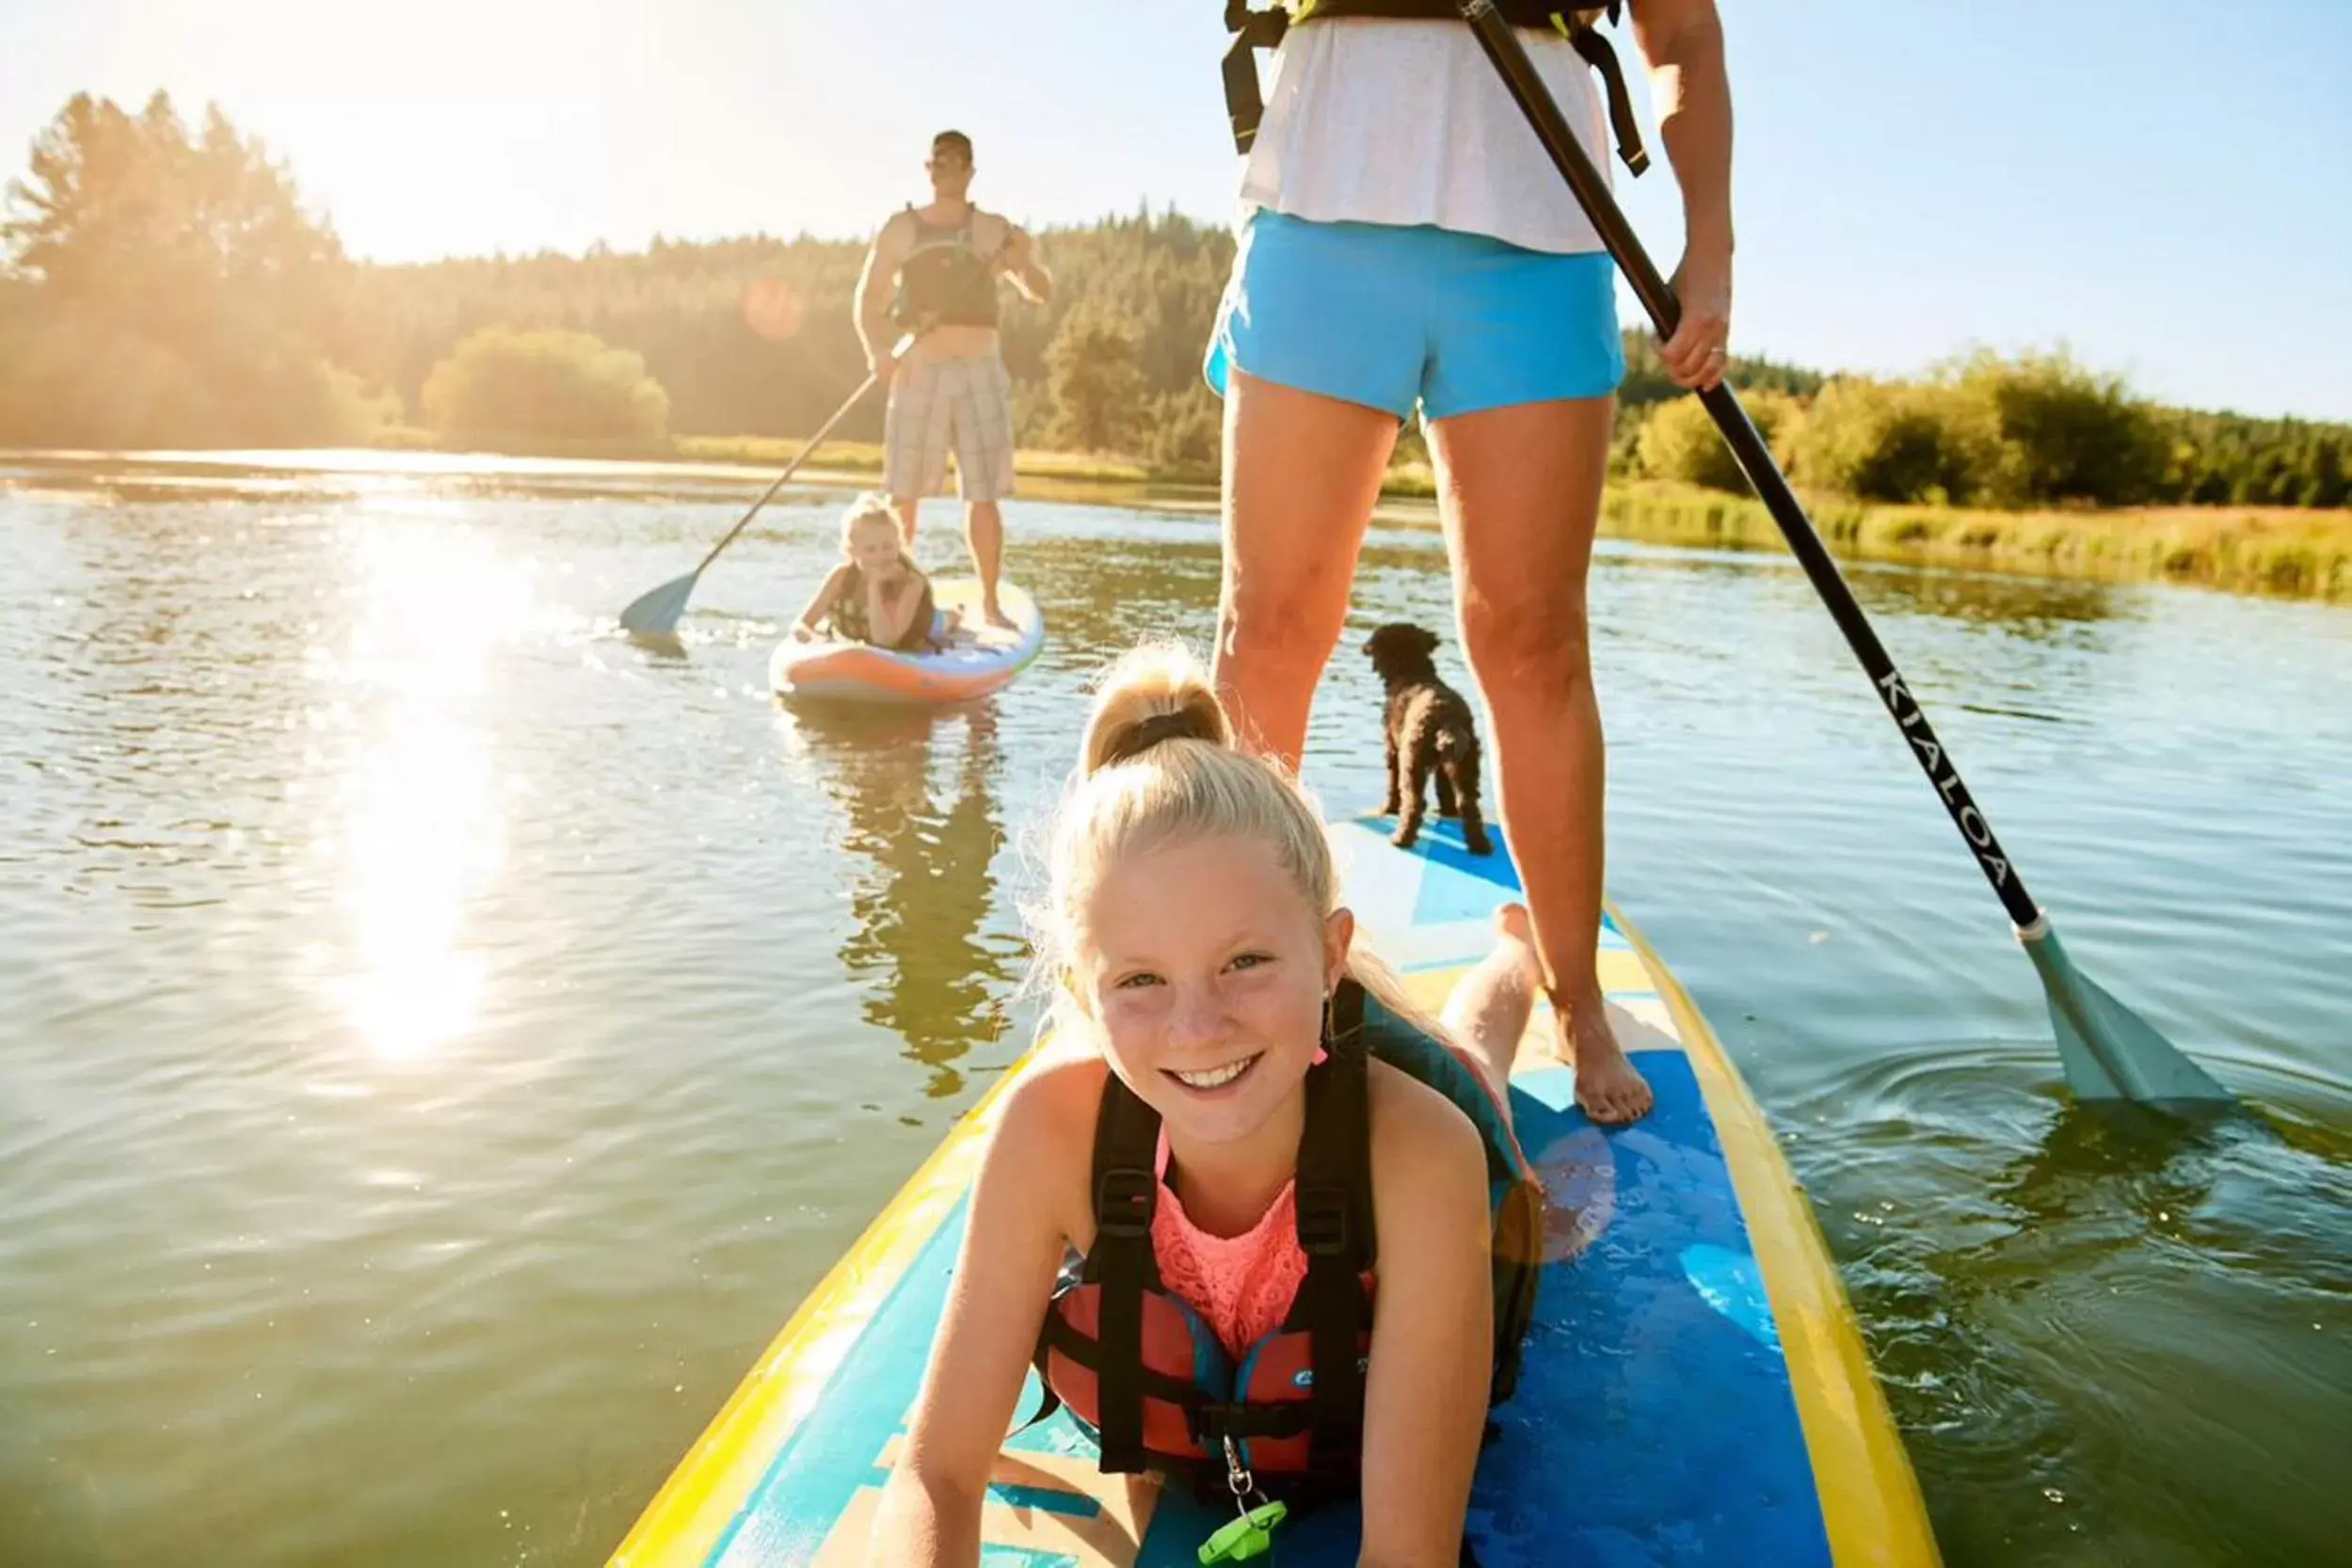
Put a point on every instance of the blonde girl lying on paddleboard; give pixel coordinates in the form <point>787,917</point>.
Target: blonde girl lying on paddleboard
<point>877,595</point>
<point>1245,1120</point>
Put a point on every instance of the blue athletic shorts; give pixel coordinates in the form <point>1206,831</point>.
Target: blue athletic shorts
<point>1390,317</point>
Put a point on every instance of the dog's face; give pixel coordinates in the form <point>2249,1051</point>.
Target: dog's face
<point>1400,651</point>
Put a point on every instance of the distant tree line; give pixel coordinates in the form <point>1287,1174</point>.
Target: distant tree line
<point>2038,430</point>
<point>161,284</point>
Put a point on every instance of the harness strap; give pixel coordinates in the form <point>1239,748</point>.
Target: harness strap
<point>1587,41</point>
<point>1058,1336</point>
<point>1126,1134</point>
<point>1212,1422</point>
<point>1245,104</point>
<point>1335,1225</point>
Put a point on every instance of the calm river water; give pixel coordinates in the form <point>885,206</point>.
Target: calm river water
<point>441,1041</point>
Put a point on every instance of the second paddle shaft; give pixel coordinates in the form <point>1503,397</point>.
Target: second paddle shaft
<point>898,350</point>
<point>789,468</point>
<point>1535,100</point>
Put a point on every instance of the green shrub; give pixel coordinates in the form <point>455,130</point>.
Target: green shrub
<point>2066,434</point>
<point>501,385</point>
<point>1882,442</point>
<point>1679,440</point>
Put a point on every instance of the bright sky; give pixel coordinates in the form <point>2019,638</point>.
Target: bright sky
<point>2166,187</point>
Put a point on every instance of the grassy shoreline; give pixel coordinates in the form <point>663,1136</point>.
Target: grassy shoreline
<point>2278,551</point>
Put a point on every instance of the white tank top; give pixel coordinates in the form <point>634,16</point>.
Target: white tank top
<point>1371,121</point>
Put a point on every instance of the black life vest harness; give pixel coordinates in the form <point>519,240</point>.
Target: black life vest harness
<point>1246,105</point>
<point>1137,1367</point>
<point>944,280</point>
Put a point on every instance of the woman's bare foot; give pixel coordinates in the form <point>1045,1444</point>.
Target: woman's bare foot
<point>1608,1087</point>
<point>1611,1090</point>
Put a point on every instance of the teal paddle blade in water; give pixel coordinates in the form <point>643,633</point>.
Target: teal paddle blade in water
<point>2108,1052</point>
<point>656,612</point>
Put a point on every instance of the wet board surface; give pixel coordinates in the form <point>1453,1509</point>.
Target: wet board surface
<point>1694,1388</point>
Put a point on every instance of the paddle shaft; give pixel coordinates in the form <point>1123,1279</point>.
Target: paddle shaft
<point>789,468</point>
<point>1592,193</point>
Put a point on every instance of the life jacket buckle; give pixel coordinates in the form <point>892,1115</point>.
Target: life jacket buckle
<point>1123,1199</point>
<point>1237,1475</point>
<point>1322,1222</point>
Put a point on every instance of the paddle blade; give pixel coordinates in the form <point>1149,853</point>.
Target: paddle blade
<point>656,613</point>
<point>2110,1052</point>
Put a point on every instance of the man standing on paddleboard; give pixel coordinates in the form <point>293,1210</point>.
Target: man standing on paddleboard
<point>939,265</point>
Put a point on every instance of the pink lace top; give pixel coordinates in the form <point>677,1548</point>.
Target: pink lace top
<point>1242,1286</point>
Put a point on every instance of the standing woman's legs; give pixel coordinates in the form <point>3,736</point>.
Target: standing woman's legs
<point>1301,473</point>
<point>1519,489</point>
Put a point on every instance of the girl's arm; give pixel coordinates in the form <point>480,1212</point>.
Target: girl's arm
<point>822,605</point>
<point>1030,1177</point>
<point>1683,41</point>
<point>1433,1329</point>
<point>890,613</point>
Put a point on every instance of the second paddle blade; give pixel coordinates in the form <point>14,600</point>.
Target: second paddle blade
<point>656,613</point>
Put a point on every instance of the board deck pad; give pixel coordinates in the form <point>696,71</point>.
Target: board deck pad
<point>1655,1421</point>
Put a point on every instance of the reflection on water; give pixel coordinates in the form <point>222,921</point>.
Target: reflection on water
<point>420,831</point>
<point>918,907</point>
<point>2078,1312</point>
<point>2034,609</point>
<point>354,755</point>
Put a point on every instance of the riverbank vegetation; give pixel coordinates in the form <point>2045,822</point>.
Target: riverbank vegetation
<point>162,285</point>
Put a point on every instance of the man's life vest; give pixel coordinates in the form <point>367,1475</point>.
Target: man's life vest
<point>944,278</point>
<point>1142,1371</point>
<point>1255,30</point>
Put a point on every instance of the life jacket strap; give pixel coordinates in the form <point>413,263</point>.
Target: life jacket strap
<point>1245,104</point>
<point>1335,1225</point>
<point>1127,1189</point>
<point>1056,1337</point>
<point>1213,1421</point>
<point>1587,41</point>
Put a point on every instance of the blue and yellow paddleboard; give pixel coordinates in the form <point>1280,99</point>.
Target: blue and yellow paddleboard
<point>1695,1388</point>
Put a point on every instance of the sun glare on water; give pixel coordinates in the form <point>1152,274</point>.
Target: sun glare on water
<point>420,830</point>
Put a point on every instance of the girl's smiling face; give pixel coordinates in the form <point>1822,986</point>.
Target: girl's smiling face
<point>873,548</point>
<point>1206,969</point>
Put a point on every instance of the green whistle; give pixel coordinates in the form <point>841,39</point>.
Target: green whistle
<point>1246,1537</point>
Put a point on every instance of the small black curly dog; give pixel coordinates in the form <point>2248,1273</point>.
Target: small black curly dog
<point>1429,731</point>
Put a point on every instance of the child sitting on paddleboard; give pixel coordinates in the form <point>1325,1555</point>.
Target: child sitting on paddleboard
<point>1245,1118</point>
<point>877,595</point>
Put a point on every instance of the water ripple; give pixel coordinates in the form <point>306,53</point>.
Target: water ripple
<point>446,1038</point>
